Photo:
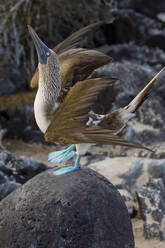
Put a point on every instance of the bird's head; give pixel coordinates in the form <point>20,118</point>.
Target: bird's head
<point>48,62</point>
<point>44,53</point>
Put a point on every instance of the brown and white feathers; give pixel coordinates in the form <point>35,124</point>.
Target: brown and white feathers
<point>74,122</point>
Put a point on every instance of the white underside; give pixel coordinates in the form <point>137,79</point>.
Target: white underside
<point>82,149</point>
<point>40,111</point>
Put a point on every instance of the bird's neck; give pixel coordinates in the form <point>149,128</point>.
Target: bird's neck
<point>45,101</point>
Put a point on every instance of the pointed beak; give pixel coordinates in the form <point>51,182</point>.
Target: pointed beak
<point>42,50</point>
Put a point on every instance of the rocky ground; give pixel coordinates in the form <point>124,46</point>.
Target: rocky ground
<point>136,41</point>
<point>137,174</point>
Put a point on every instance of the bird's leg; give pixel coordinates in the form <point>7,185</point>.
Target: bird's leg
<point>61,156</point>
<point>66,170</point>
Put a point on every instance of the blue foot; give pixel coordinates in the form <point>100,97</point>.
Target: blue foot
<point>61,156</point>
<point>66,170</point>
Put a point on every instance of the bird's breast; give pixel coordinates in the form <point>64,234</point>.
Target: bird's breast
<point>43,106</point>
<point>40,114</point>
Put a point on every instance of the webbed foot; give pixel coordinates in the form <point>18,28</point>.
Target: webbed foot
<point>66,170</point>
<point>61,156</point>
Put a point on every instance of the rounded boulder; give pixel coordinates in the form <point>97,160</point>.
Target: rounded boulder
<point>78,210</point>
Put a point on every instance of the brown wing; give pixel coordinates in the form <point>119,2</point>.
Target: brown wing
<point>69,121</point>
<point>100,135</point>
<point>72,41</point>
<point>68,125</point>
<point>78,64</point>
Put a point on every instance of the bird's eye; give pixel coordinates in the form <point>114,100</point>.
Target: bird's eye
<point>47,53</point>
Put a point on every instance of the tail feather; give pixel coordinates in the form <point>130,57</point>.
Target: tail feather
<point>142,96</point>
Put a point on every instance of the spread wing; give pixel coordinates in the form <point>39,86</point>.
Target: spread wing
<point>69,121</point>
<point>72,41</point>
<point>77,65</point>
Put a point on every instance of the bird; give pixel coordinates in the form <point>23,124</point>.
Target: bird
<point>72,119</point>
<point>75,65</point>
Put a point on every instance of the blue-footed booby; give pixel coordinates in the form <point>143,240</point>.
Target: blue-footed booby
<point>73,120</point>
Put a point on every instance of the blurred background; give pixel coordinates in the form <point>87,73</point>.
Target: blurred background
<point>133,34</point>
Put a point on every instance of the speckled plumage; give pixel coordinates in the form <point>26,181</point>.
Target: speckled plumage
<point>48,91</point>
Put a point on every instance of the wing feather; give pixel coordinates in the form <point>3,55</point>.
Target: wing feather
<point>68,123</point>
<point>77,65</point>
<point>74,39</point>
<point>70,118</point>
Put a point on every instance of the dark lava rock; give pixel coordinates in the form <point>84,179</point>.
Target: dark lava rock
<point>156,171</point>
<point>141,55</point>
<point>131,26</point>
<point>20,124</point>
<point>146,137</point>
<point>130,178</point>
<point>149,7</point>
<point>132,78</point>
<point>156,38</point>
<point>77,210</point>
<point>7,186</point>
<point>151,199</point>
<point>14,172</point>
<point>26,168</point>
<point>22,168</point>
<point>7,157</point>
<point>11,80</point>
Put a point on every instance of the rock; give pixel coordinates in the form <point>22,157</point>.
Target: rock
<point>16,171</point>
<point>7,187</point>
<point>156,38</point>
<point>136,54</point>
<point>156,171</point>
<point>133,78</point>
<point>126,174</point>
<point>130,26</point>
<point>149,7</point>
<point>26,168</point>
<point>141,182</point>
<point>151,200</point>
<point>11,80</point>
<point>81,209</point>
<point>7,157</point>
<point>5,168</point>
<point>23,121</point>
<point>161,17</point>
<point>146,137</point>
